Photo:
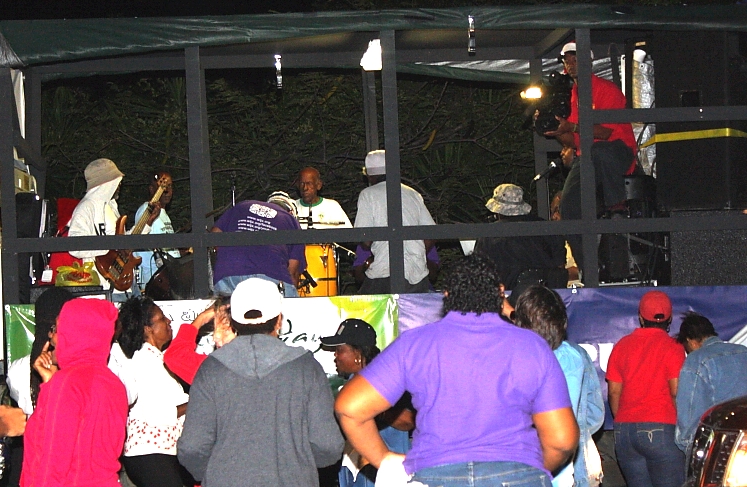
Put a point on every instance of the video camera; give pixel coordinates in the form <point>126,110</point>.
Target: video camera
<point>555,101</point>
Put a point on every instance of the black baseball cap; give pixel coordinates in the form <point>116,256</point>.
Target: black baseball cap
<point>352,332</point>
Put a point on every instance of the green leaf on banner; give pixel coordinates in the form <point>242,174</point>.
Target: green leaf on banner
<point>19,320</point>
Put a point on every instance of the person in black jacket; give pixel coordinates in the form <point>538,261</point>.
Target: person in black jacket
<point>522,260</point>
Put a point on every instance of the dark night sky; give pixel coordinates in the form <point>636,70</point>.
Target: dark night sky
<point>77,9</point>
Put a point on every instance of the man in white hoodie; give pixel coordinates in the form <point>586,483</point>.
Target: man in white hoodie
<point>97,213</point>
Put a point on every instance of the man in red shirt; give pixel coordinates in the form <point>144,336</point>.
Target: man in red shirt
<point>613,152</point>
<point>642,376</point>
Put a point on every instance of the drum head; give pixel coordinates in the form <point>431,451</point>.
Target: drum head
<point>158,287</point>
<point>173,280</point>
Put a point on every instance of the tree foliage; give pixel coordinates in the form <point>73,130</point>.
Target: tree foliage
<point>458,140</point>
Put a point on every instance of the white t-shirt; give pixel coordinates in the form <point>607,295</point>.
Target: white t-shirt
<point>372,212</point>
<point>326,213</point>
<point>152,425</point>
<point>162,224</point>
<point>121,366</point>
<point>18,379</point>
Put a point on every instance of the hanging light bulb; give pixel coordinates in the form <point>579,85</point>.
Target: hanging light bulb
<point>371,60</point>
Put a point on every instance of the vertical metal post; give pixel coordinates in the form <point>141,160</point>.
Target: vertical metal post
<point>630,46</point>
<point>370,111</point>
<point>32,88</point>
<point>200,179</point>
<point>588,185</point>
<point>393,176</point>
<point>11,294</point>
<point>540,152</point>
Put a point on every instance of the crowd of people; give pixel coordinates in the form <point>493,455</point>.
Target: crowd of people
<point>491,394</point>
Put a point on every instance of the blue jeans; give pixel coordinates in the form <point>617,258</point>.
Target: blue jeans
<point>648,456</point>
<point>483,474</point>
<point>396,440</point>
<point>226,285</point>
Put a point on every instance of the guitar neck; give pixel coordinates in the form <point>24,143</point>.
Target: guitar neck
<point>138,228</point>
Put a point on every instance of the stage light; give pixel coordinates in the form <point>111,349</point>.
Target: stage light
<point>532,93</point>
<point>278,71</point>
<point>471,46</point>
<point>371,60</point>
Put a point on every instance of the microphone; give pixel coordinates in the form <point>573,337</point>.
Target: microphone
<point>307,280</point>
<point>550,168</point>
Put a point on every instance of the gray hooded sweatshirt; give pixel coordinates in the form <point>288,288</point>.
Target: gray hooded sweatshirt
<point>260,413</point>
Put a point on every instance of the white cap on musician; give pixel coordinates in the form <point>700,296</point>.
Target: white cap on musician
<point>376,163</point>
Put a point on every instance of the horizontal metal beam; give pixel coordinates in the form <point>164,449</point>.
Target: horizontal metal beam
<point>481,54</point>
<point>161,62</point>
<point>731,221</point>
<point>348,59</point>
<point>652,115</point>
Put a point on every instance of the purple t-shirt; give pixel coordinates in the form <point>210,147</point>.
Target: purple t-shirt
<point>271,260</point>
<point>475,382</point>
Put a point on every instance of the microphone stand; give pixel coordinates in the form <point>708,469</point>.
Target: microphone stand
<point>233,188</point>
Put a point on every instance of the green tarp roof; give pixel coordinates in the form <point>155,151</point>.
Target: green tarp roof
<point>37,42</point>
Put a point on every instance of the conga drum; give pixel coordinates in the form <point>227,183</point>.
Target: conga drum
<point>321,264</point>
<point>173,280</point>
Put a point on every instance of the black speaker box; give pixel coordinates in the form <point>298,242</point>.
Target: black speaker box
<point>693,70</point>
<point>28,221</point>
<point>713,258</point>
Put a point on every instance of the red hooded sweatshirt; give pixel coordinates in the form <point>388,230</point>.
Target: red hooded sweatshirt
<point>75,436</point>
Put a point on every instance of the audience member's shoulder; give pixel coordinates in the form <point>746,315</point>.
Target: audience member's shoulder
<point>571,353</point>
<point>724,348</point>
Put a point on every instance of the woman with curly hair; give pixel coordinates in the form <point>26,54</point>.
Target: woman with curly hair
<point>492,404</point>
<point>155,420</point>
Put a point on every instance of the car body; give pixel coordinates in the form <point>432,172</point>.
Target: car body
<point>718,454</point>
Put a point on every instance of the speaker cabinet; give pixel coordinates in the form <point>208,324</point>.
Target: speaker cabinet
<point>28,221</point>
<point>694,70</point>
<point>713,258</point>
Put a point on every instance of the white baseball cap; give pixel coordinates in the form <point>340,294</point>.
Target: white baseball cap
<point>571,47</point>
<point>376,163</point>
<point>256,301</point>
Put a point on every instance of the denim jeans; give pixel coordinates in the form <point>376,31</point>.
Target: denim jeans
<point>226,285</point>
<point>483,474</point>
<point>648,456</point>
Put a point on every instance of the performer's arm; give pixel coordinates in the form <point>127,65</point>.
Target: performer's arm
<point>565,130</point>
<point>294,267</point>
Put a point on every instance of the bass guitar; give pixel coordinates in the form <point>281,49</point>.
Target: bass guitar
<point>118,266</point>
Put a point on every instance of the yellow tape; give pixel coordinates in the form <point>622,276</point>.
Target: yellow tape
<point>694,134</point>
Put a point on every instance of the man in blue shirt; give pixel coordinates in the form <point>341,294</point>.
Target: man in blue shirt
<point>714,372</point>
<point>162,224</point>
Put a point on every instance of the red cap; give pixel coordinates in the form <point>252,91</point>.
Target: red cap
<point>655,306</point>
